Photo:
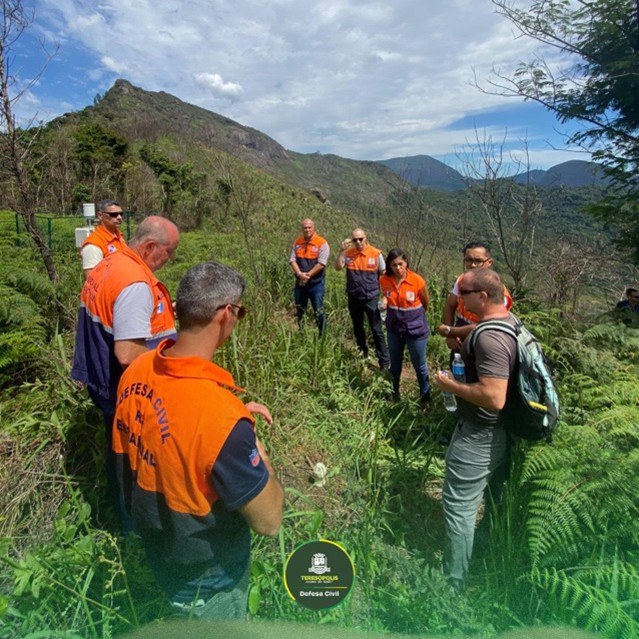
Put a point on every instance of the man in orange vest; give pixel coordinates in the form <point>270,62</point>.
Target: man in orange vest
<point>308,260</point>
<point>106,237</point>
<point>124,311</point>
<point>191,469</point>
<point>458,320</point>
<point>364,264</point>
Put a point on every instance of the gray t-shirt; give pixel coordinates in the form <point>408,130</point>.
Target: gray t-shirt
<point>132,312</point>
<point>495,356</point>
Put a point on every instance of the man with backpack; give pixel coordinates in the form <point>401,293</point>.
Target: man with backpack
<point>478,451</point>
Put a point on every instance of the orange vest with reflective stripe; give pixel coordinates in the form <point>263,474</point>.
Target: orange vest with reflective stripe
<point>106,241</point>
<point>94,361</point>
<point>362,272</point>
<point>111,276</point>
<point>172,418</point>
<point>307,255</point>
<point>406,314</point>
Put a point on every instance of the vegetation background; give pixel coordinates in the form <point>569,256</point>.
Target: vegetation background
<point>562,548</point>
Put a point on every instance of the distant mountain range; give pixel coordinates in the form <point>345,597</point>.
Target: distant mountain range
<point>190,135</point>
<point>425,171</point>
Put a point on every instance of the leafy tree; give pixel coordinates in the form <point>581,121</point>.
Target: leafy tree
<point>100,154</point>
<point>596,84</point>
<point>180,183</point>
<point>16,143</point>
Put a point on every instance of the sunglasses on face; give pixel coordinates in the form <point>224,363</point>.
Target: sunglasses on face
<point>472,261</point>
<point>358,239</point>
<point>242,311</point>
<point>113,214</point>
<point>463,291</point>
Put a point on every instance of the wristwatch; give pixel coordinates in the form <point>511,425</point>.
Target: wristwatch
<point>446,331</point>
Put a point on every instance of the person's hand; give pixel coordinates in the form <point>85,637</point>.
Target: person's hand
<point>260,409</point>
<point>346,244</point>
<point>442,380</point>
<point>303,279</point>
<point>384,304</point>
<point>443,330</point>
<point>454,343</point>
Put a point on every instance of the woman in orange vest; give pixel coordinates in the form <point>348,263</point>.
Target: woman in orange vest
<point>405,300</point>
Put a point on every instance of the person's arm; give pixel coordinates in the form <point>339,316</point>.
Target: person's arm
<point>449,309</point>
<point>495,359</point>
<point>341,256</point>
<point>91,256</point>
<point>456,332</point>
<point>381,265</point>
<point>132,322</point>
<point>488,392</point>
<point>322,261</point>
<point>423,296</point>
<point>302,278</point>
<point>245,482</point>
<point>126,350</point>
<point>259,409</point>
<point>318,268</point>
<point>263,513</point>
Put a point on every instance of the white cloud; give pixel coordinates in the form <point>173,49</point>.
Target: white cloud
<point>365,80</point>
<point>217,85</point>
<point>114,65</point>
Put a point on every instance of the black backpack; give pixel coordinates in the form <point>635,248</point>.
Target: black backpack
<point>532,405</point>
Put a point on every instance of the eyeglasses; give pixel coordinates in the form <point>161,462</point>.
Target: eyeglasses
<point>475,261</point>
<point>242,311</point>
<point>113,214</point>
<point>469,291</point>
<point>358,239</point>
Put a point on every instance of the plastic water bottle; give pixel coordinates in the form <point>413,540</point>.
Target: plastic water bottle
<point>382,312</point>
<point>450,401</point>
<point>459,368</point>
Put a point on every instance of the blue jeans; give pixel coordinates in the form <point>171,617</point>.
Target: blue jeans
<point>417,352</point>
<point>314,293</point>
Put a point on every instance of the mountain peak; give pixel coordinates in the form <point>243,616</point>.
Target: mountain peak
<point>150,114</point>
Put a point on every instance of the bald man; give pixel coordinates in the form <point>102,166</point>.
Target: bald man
<point>124,310</point>
<point>308,259</point>
<point>364,264</point>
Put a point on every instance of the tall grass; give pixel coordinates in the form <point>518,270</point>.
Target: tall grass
<point>563,542</point>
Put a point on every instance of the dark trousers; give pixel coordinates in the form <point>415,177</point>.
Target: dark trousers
<point>358,309</point>
<point>115,494</point>
<point>314,293</point>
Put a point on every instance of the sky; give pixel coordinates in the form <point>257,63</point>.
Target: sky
<point>362,79</point>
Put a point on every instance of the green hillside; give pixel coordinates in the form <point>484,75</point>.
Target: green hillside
<point>562,549</point>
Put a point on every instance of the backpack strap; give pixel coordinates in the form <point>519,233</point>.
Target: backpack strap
<point>497,325</point>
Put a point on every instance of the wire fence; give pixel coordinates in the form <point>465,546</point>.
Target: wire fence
<point>58,230</point>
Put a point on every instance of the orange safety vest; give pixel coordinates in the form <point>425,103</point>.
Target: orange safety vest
<point>94,362</point>
<point>406,314</point>
<point>362,272</point>
<point>172,418</point>
<point>307,255</point>
<point>106,241</point>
